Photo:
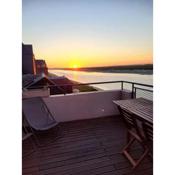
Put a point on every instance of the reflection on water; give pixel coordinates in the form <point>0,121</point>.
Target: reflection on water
<point>74,75</point>
<point>89,77</point>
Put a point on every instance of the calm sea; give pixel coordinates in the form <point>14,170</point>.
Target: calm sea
<point>88,77</point>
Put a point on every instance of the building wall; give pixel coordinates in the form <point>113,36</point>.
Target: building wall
<point>41,67</point>
<point>85,105</point>
<point>28,60</point>
<point>42,70</point>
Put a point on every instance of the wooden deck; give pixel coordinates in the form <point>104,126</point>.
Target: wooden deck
<point>88,147</point>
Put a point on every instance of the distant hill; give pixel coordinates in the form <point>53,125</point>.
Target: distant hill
<point>140,69</point>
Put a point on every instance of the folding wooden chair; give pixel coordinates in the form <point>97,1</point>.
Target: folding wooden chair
<point>148,135</point>
<point>133,134</point>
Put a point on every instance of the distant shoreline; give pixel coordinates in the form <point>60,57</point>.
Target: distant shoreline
<point>134,69</point>
<point>142,72</point>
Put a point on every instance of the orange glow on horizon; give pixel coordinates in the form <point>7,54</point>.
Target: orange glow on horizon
<point>94,57</point>
<point>97,62</point>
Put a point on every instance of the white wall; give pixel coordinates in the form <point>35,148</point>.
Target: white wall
<point>84,105</point>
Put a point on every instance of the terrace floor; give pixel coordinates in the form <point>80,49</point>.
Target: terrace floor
<point>87,147</point>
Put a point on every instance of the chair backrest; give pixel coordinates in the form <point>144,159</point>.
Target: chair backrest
<point>148,130</point>
<point>36,113</point>
<point>129,120</point>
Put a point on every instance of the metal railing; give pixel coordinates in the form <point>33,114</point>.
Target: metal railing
<point>142,92</point>
<point>137,89</point>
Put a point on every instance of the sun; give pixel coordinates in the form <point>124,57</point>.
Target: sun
<point>75,66</point>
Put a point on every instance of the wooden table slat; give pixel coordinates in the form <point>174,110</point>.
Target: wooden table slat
<point>140,107</point>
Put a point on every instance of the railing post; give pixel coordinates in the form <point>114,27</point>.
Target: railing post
<point>132,90</point>
<point>121,85</point>
<point>135,92</point>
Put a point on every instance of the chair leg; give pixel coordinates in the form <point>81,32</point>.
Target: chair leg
<point>125,152</point>
<point>130,158</point>
<point>57,129</point>
<point>141,158</point>
<point>128,144</point>
<point>128,136</point>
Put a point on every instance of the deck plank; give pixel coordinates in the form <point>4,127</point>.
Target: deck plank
<point>88,147</point>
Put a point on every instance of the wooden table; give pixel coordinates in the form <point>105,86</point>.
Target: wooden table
<point>140,107</point>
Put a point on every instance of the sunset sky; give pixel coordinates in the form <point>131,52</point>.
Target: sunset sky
<point>85,33</point>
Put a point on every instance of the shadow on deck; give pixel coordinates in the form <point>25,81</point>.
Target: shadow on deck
<point>87,147</point>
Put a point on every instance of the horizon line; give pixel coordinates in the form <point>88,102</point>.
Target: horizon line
<point>101,66</point>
